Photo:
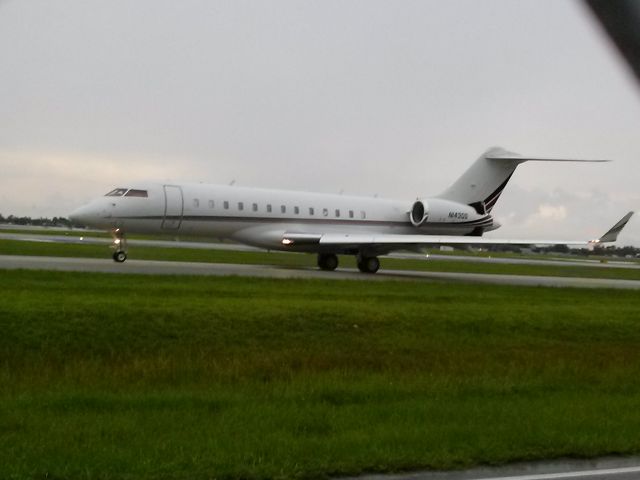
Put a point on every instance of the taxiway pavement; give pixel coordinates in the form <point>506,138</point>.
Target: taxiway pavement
<point>154,267</point>
<point>609,468</point>
<point>61,237</point>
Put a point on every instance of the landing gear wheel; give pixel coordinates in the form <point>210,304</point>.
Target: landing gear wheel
<point>119,246</point>
<point>368,264</point>
<point>119,256</point>
<point>327,261</point>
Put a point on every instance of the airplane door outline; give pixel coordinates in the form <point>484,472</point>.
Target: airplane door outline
<point>173,207</point>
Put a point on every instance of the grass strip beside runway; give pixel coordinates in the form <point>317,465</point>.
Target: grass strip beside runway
<point>15,247</point>
<point>124,376</point>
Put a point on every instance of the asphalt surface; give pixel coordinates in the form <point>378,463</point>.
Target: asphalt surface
<point>598,469</point>
<point>61,237</point>
<point>150,267</point>
<point>84,240</point>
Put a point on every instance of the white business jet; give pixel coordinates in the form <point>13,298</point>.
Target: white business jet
<point>320,223</point>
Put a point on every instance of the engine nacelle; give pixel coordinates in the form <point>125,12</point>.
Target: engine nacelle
<point>442,212</point>
<point>419,213</point>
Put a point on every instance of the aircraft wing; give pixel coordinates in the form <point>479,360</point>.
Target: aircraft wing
<point>383,243</point>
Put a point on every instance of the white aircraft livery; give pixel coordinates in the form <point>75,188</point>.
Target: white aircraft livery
<point>325,224</point>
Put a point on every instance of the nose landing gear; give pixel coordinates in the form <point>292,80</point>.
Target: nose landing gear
<point>119,246</point>
<point>119,256</point>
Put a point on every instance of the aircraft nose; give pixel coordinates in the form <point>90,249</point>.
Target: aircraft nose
<point>82,215</point>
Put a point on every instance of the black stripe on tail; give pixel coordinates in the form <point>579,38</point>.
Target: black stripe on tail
<point>491,200</point>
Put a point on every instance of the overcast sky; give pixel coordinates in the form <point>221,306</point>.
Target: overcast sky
<point>368,97</point>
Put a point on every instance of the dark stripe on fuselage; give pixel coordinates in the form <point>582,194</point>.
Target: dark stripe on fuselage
<point>482,222</point>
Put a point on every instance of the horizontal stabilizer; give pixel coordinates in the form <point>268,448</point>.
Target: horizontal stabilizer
<point>521,159</point>
<point>612,234</point>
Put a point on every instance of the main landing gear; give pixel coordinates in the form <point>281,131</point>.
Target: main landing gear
<point>368,264</point>
<point>119,246</point>
<point>329,261</point>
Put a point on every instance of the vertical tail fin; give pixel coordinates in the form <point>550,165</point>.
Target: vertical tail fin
<point>483,182</point>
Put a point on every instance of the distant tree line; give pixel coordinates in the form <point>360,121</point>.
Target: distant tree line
<point>600,250</point>
<point>612,250</point>
<point>38,222</point>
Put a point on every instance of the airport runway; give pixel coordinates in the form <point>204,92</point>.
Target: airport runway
<point>82,240</point>
<point>149,267</point>
<point>60,237</point>
<point>598,469</point>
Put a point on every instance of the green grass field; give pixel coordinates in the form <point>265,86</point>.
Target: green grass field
<point>13,247</point>
<point>123,376</point>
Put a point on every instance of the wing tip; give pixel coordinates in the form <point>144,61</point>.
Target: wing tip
<point>612,234</point>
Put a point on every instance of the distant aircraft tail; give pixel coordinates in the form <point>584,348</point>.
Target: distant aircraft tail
<point>481,185</point>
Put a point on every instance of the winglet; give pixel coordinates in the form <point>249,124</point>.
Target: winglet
<point>612,234</point>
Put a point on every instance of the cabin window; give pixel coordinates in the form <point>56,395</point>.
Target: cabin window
<point>118,192</point>
<point>337,213</point>
<point>296,210</point>
<point>255,207</point>
<point>269,208</point>
<point>226,205</point>
<point>325,212</point>
<point>136,193</point>
<point>363,214</point>
<point>311,212</point>
<point>283,208</point>
<point>240,206</point>
<point>211,204</point>
<point>350,213</point>
<point>196,202</point>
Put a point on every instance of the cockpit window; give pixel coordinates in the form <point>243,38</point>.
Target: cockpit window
<point>118,192</point>
<point>136,193</point>
<point>127,192</point>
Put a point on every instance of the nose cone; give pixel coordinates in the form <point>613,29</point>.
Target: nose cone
<point>86,215</point>
<point>79,215</point>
